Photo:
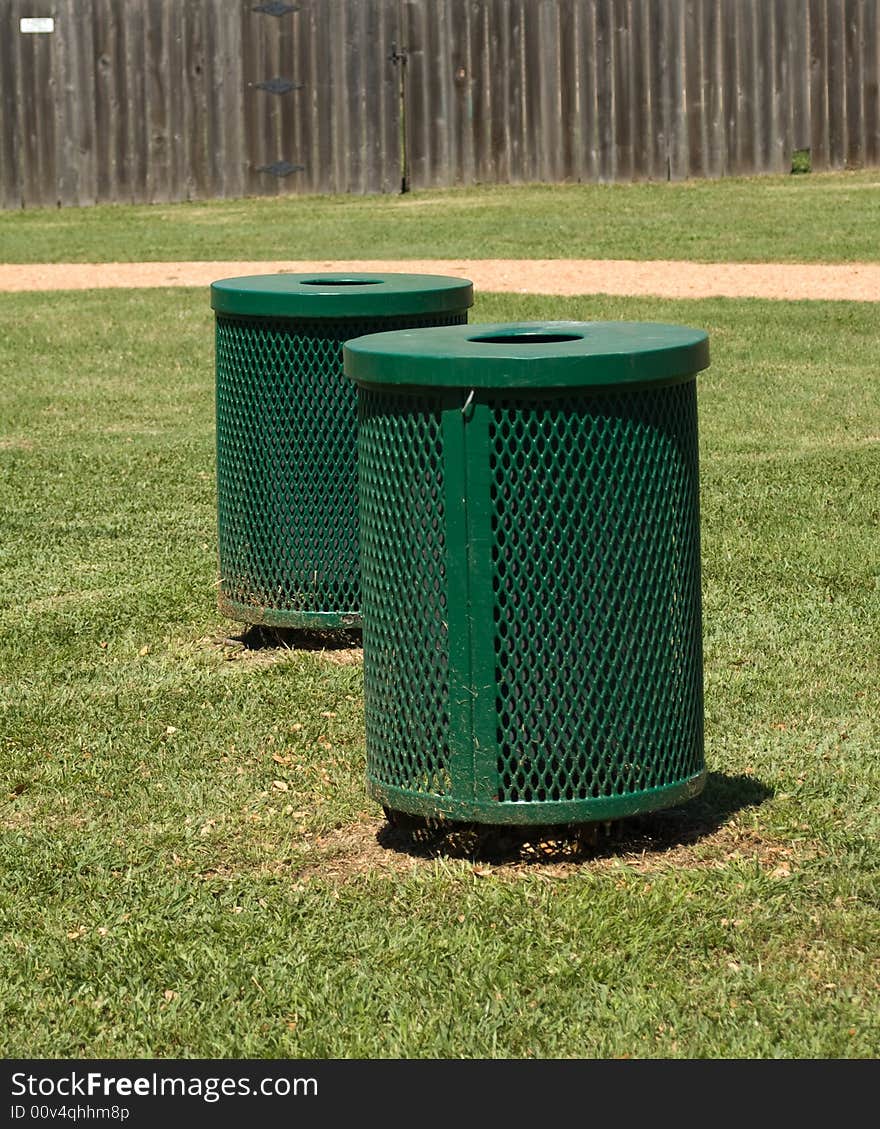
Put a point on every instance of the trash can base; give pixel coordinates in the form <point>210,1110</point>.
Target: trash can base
<point>401,803</point>
<point>276,617</point>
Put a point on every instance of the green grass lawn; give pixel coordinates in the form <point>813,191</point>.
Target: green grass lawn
<point>188,862</point>
<point>830,217</point>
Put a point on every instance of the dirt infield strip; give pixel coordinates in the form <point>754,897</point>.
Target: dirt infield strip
<point>858,282</point>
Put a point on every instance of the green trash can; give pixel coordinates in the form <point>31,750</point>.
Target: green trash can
<point>530,561</point>
<point>287,434</point>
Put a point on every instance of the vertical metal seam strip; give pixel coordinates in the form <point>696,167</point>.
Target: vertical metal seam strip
<point>481,628</point>
<point>461,767</point>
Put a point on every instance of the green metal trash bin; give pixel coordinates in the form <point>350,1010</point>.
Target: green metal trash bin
<point>287,431</point>
<point>530,561</point>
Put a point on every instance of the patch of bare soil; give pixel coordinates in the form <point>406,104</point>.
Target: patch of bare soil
<point>663,278</point>
<point>681,838</point>
<point>263,646</point>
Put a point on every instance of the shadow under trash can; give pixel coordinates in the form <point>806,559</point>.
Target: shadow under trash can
<point>530,561</point>
<point>287,431</point>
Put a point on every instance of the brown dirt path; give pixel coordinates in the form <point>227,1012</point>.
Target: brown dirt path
<point>665,279</point>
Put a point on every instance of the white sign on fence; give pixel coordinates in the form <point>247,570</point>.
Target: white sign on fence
<point>33,25</point>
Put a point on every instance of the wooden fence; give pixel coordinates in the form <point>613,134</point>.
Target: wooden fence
<point>151,100</point>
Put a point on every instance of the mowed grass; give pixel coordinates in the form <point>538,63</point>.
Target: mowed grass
<point>188,860</point>
<point>829,217</point>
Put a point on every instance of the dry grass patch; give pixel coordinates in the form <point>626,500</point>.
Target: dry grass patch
<point>263,646</point>
<point>655,843</point>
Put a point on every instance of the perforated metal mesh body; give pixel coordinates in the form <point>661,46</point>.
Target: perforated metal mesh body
<point>286,467</point>
<point>531,573</point>
<point>596,595</point>
<point>403,548</point>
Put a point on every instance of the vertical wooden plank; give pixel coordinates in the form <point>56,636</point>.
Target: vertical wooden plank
<point>156,78</point>
<point>215,76</point>
<point>871,64</point>
<point>706,79</point>
<point>314,71</point>
<point>694,100</point>
<point>332,87</point>
<point>84,104</point>
<point>507,129</point>
<point>730,85</point>
<point>237,166</point>
<point>446,139</point>
<point>837,129</point>
<point>780,146</point>
<point>730,10</point>
<point>288,122</point>
<point>174,93</point>
<point>782,80</point>
<point>607,166</point>
<point>717,140</point>
<point>412,16</point>
<point>437,140</point>
<point>108,50</point>
<point>473,142</point>
<point>819,102</point>
<point>759,87</point>
<point>570,145</point>
<point>137,134</point>
<point>854,38</point>
<point>392,168</point>
<point>589,99</point>
<point>194,142</point>
<point>482,65</point>
<point>60,108</point>
<point>542,74</point>
<point>780,150</point>
<point>679,148</point>
<point>442,143</point>
<point>797,35</point>
<point>303,69</point>
<point>374,110</point>
<point>37,98</point>
<point>530,77</point>
<point>316,98</point>
<point>641,91</point>
<point>622,80</point>
<point>258,153</point>
<point>769,102</point>
<point>515,92</point>
<point>307,102</point>
<point>421,68</point>
<point>747,134</point>
<point>10,132</point>
<point>273,30</point>
<point>365,127</point>
<point>499,83</point>
<point>348,94</point>
<point>379,116</point>
<point>357,44</point>
<point>120,106</point>
<point>373,107</point>
<point>455,44</point>
<point>662,98</point>
<point>257,123</point>
<point>744,78</point>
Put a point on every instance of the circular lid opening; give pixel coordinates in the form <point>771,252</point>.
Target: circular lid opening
<point>340,281</point>
<point>524,337</point>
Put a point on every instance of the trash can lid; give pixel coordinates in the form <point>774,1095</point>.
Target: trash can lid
<point>331,294</point>
<point>545,354</point>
